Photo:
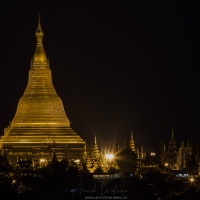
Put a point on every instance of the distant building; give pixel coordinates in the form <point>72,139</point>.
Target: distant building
<point>163,153</point>
<point>127,159</point>
<point>96,159</point>
<point>172,152</point>
<point>179,159</point>
<point>184,154</point>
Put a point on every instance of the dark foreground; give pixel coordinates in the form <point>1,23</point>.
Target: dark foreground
<point>50,185</point>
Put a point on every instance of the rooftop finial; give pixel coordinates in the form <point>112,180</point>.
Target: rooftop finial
<point>131,135</point>
<point>39,33</point>
<point>39,52</point>
<point>39,19</point>
<point>95,139</point>
<point>132,144</point>
<point>172,132</point>
<point>182,144</point>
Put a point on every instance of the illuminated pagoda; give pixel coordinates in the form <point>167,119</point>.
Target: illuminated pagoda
<point>40,122</point>
<point>172,151</point>
<point>132,144</point>
<point>93,156</point>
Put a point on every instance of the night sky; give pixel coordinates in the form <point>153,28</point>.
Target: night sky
<point>116,66</point>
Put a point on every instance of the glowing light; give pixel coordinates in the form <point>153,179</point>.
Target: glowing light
<point>42,160</point>
<point>191,179</point>
<point>77,161</point>
<point>166,164</point>
<point>109,156</point>
<point>153,154</point>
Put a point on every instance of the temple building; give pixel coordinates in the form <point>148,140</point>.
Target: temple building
<point>40,125</point>
<point>172,152</point>
<point>184,155</point>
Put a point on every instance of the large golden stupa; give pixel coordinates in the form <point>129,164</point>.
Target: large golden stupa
<point>40,124</point>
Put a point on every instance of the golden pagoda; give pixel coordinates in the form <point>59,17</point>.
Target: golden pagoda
<point>40,122</point>
<point>132,144</point>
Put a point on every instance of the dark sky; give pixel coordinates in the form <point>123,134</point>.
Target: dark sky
<point>116,66</point>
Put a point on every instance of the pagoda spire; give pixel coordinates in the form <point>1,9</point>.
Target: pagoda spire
<point>95,146</point>
<point>172,133</point>
<point>164,147</point>
<point>172,151</point>
<point>40,55</point>
<point>132,144</point>
<point>95,139</point>
<point>39,33</point>
<point>182,144</point>
<point>197,156</point>
<point>188,143</point>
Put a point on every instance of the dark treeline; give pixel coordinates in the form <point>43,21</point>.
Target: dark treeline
<point>57,181</point>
